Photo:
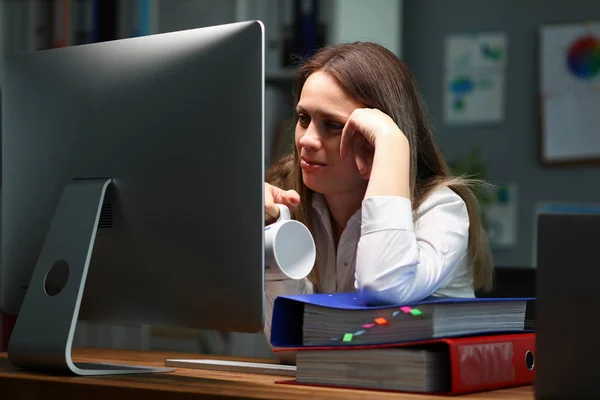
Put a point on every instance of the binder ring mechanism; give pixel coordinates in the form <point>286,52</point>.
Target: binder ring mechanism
<point>529,360</point>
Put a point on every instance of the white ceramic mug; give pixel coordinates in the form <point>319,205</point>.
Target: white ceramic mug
<point>289,247</point>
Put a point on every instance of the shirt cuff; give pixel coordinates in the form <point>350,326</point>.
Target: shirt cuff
<point>386,212</point>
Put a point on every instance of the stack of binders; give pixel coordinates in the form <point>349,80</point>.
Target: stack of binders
<point>439,345</point>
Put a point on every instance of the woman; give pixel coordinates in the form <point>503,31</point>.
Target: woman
<point>367,178</point>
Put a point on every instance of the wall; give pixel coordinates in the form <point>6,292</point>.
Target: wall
<point>513,147</point>
<point>353,20</point>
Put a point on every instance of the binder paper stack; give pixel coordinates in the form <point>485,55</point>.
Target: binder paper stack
<point>440,345</point>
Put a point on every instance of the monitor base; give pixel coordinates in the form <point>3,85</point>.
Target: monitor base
<point>42,338</point>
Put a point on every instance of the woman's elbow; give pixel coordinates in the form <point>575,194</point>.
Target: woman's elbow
<point>386,275</point>
<point>389,290</point>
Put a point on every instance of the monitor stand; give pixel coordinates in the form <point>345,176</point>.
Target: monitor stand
<point>42,338</point>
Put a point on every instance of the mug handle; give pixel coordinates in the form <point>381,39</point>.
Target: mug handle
<point>284,212</point>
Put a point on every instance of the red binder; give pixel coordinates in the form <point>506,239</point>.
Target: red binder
<point>477,363</point>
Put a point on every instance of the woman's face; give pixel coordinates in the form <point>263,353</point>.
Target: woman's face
<point>322,112</point>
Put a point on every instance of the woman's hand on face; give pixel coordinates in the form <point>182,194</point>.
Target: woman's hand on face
<point>274,196</point>
<point>361,133</point>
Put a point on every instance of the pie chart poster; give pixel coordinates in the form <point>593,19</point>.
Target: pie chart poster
<point>570,91</point>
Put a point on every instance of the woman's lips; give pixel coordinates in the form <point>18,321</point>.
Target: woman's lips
<point>309,165</point>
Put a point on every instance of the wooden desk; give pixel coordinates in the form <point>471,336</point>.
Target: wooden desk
<point>184,383</point>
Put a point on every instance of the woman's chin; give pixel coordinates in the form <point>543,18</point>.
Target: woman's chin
<point>313,184</point>
<point>319,185</point>
<point>332,186</point>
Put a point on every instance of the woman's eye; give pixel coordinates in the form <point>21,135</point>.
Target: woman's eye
<point>334,126</point>
<point>303,119</point>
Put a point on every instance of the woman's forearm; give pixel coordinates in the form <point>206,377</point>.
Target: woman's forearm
<point>391,168</point>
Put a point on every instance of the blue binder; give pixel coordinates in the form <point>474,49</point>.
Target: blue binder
<point>288,312</point>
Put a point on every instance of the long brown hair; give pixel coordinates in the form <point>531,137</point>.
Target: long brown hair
<point>375,77</point>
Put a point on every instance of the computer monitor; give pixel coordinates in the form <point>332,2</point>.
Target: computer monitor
<point>133,176</point>
<point>567,278</point>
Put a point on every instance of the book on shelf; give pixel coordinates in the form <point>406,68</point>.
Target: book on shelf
<point>343,319</point>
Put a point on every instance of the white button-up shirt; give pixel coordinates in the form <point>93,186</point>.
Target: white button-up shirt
<point>388,253</point>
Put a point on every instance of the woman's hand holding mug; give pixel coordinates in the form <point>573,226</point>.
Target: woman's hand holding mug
<point>274,196</point>
<point>290,250</point>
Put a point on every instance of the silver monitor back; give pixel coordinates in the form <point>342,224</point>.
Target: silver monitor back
<point>153,149</point>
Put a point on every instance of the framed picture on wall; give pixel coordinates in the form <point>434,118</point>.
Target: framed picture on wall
<point>570,93</point>
<point>474,78</point>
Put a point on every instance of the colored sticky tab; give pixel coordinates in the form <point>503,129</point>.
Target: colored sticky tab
<point>405,309</point>
<point>347,337</point>
<point>334,339</point>
<point>368,326</point>
<point>416,312</point>
<point>381,321</point>
<point>395,313</point>
<point>358,333</point>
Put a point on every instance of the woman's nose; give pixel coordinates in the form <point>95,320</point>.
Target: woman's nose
<point>310,138</point>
